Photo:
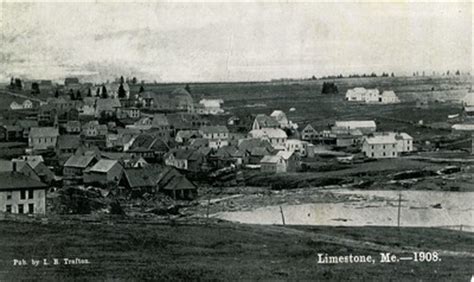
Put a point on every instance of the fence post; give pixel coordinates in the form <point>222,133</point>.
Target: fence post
<point>282,216</point>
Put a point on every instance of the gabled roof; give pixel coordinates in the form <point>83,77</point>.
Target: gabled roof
<point>252,143</point>
<point>266,121</point>
<point>149,142</point>
<point>270,159</point>
<point>103,166</point>
<point>268,132</point>
<point>285,154</point>
<point>143,177</point>
<point>16,180</point>
<point>229,152</point>
<point>356,124</point>
<point>44,132</point>
<point>172,179</point>
<point>79,161</point>
<point>108,104</point>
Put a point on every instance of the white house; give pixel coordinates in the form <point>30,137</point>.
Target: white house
<point>387,145</point>
<point>388,97</point>
<point>298,146</point>
<point>21,194</point>
<point>275,136</point>
<point>41,138</point>
<point>27,104</point>
<point>218,135</point>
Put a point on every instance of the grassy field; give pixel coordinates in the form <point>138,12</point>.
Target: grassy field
<point>226,251</point>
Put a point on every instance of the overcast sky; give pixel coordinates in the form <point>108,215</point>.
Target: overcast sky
<point>231,42</point>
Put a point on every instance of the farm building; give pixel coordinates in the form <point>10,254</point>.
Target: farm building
<point>365,126</point>
<point>388,97</point>
<point>360,94</point>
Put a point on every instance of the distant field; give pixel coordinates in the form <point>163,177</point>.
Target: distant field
<point>321,110</point>
<point>226,251</point>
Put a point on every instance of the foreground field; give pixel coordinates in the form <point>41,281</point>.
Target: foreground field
<point>225,251</point>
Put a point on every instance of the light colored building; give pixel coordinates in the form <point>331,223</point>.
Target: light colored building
<point>217,135</point>
<point>360,94</point>
<point>387,145</point>
<point>275,136</point>
<point>380,147</point>
<point>21,194</point>
<point>272,164</point>
<point>309,133</point>
<point>388,97</point>
<point>281,118</point>
<point>42,138</point>
<point>298,146</point>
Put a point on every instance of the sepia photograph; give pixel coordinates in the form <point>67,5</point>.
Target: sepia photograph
<point>236,141</point>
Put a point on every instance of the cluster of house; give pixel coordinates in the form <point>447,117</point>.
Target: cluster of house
<point>373,96</point>
<point>362,134</point>
<point>149,142</point>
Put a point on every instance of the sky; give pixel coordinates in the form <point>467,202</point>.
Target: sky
<point>199,42</point>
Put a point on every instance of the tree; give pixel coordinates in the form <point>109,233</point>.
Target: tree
<point>89,93</point>
<point>78,95</point>
<point>56,94</point>
<point>393,75</point>
<point>141,89</point>
<point>458,72</point>
<point>104,92</point>
<point>122,80</point>
<point>329,88</point>
<point>134,80</point>
<point>121,92</point>
<point>187,88</point>
<point>97,92</point>
<point>18,84</point>
<point>71,95</point>
<point>447,73</point>
<point>35,88</point>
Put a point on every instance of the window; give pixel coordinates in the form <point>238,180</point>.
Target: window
<point>30,194</point>
<point>408,148</point>
<point>383,146</point>
<point>393,153</point>
<point>372,154</point>
<point>22,194</point>
<point>20,208</point>
<point>9,195</point>
<point>8,209</point>
<point>372,147</point>
<point>31,208</point>
<point>384,153</point>
<point>393,146</point>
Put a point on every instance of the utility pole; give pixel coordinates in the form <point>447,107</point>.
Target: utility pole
<point>282,215</point>
<point>399,209</point>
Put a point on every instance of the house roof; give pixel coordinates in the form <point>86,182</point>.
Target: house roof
<point>103,165</point>
<point>172,179</point>
<point>143,177</point>
<point>79,161</point>
<point>285,154</point>
<point>186,154</point>
<point>469,99</point>
<point>266,121</point>
<point>44,132</point>
<point>229,152</point>
<point>268,132</point>
<point>381,139</point>
<point>356,124</point>
<point>108,104</point>
<point>252,143</point>
<point>149,142</point>
<point>270,159</point>
<point>16,180</point>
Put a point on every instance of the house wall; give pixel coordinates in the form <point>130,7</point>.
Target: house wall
<point>42,143</point>
<point>404,145</point>
<point>38,200</point>
<point>380,151</point>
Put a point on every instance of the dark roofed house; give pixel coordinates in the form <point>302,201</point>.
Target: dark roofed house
<point>230,155</point>
<point>141,180</point>
<point>149,147</point>
<point>186,159</point>
<point>67,144</point>
<point>176,185</point>
<point>76,165</point>
<point>21,194</point>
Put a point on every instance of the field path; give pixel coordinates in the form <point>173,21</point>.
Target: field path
<point>20,96</point>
